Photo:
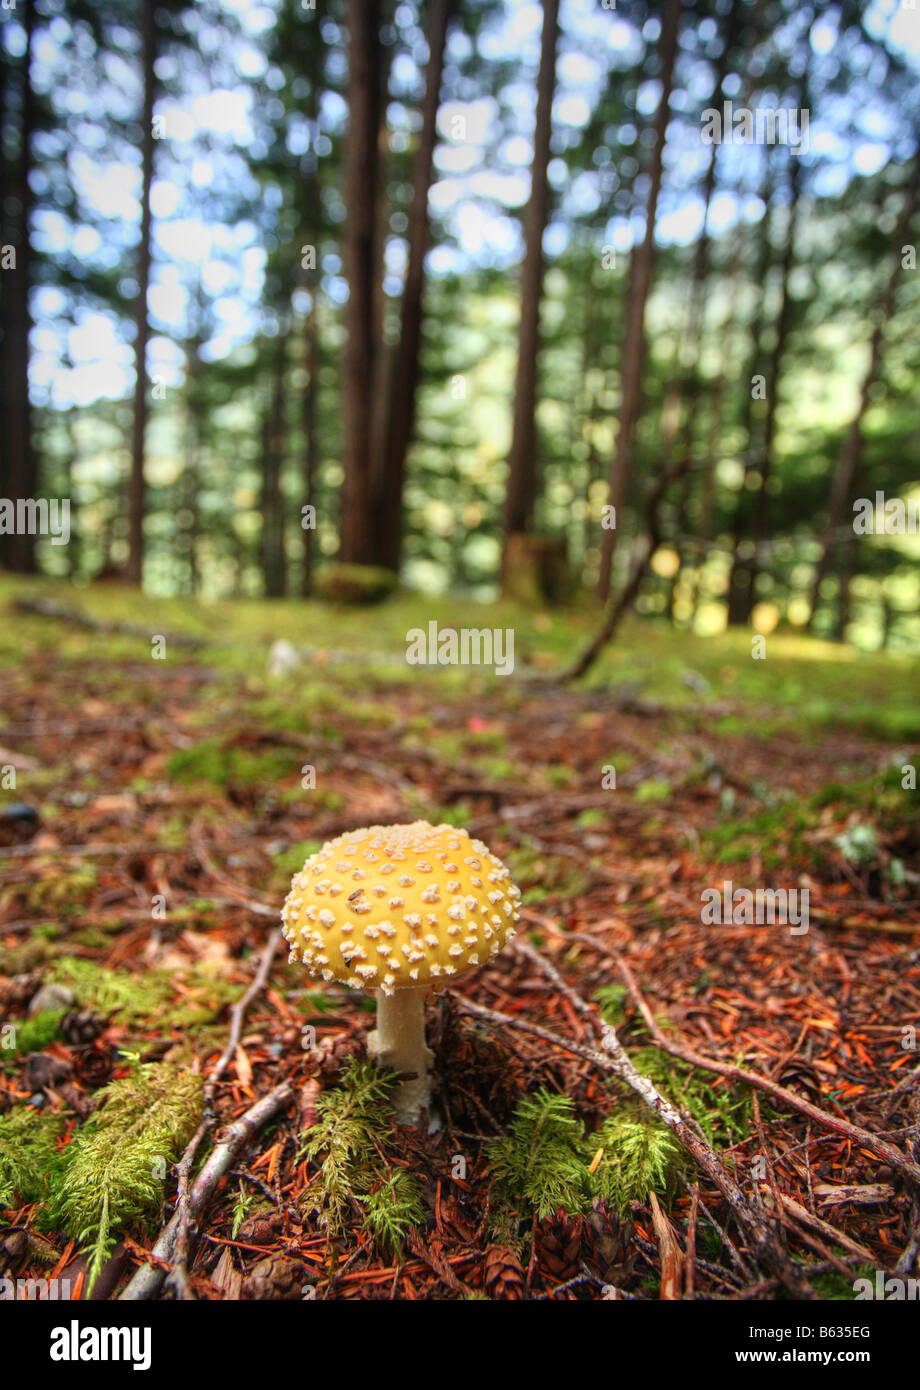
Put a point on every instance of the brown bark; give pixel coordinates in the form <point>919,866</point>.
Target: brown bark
<point>640,276</point>
<point>398,406</point>
<point>522,463</point>
<point>362,178</point>
<point>313,210</point>
<point>137,487</point>
<point>274,569</point>
<point>851,449</point>
<point>742,517</point>
<point>745,569</point>
<point>18,471</point>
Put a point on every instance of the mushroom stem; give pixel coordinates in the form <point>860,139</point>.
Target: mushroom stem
<point>398,1041</point>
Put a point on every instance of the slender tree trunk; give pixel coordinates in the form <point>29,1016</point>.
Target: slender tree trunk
<point>405,365</point>
<point>522,462</point>
<point>640,276</point>
<point>19,470</point>
<point>137,488</point>
<point>313,213</point>
<point>311,362</point>
<point>274,568</point>
<point>851,449</point>
<point>741,525</point>
<point>745,568</point>
<point>362,178</point>
<point>195,426</point>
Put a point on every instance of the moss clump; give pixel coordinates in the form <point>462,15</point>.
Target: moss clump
<point>28,1153</point>
<point>115,1170</point>
<point>221,763</point>
<point>393,1208</point>
<point>355,584</point>
<point>353,1135</point>
<point>35,1034</point>
<point>545,1161</point>
<point>542,1161</point>
<point>132,998</point>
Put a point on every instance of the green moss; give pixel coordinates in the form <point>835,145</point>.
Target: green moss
<point>653,789</point>
<point>32,1035</point>
<point>291,860</point>
<point>220,763</point>
<point>116,1168</point>
<point>28,1153</point>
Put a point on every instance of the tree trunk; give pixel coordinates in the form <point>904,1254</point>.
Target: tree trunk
<point>136,487</point>
<point>737,599</point>
<point>18,471</point>
<point>357,525</point>
<point>196,414</point>
<point>313,212</point>
<point>402,384</point>
<point>742,594</point>
<point>522,463</point>
<point>274,569</point>
<point>851,449</point>
<point>640,275</point>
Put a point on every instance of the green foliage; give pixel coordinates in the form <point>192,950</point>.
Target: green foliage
<point>132,998</point>
<point>724,1115</point>
<point>542,875</point>
<point>116,1167</point>
<point>639,1156</point>
<point>611,999</point>
<point>352,1123</point>
<point>61,892</point>
<point>34,1034</point>
<point>831,1285</point>
<point>544,1161</point>
<point>28,1141</point>
<point>291,860</point>
<point>220,763</point>
<point>244,1203</point>
<point>653,789</point>
<point>541,1161</point>
<point>393,1208</point>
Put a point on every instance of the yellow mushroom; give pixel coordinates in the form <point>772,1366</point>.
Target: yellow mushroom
<point>398,910</point>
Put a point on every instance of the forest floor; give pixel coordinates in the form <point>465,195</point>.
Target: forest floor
<point>159,812</point>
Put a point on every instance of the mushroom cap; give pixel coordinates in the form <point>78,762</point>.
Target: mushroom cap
<point>399,906</point>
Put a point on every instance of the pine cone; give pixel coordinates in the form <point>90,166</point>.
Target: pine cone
<point>607,1244</point>
<point>276,1277</point>
<point>504,1277</point>
<point>559,1240</point>
<point>81,1026</point>
<point>94,1065</point>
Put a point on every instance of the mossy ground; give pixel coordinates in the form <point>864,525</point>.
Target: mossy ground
<point>173,809</point>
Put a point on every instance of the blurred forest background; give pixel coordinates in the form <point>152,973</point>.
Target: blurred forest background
<point>457,276</point>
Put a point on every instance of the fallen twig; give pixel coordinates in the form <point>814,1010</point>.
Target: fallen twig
<point>887,1152</point>
<point>146,1281</point>
<point>614,1060</point>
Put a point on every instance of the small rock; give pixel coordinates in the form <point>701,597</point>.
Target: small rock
<point>283,657</point>
<point>51,996</point>
<point>42,1069</point>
